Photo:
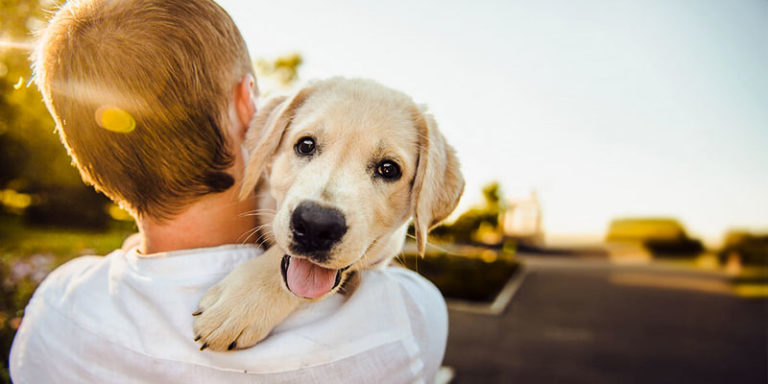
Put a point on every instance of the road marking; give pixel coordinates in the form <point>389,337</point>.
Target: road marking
<point>499,303</point>
<point>444,375</point>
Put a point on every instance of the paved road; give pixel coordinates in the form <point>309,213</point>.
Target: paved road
<point>593,322</point>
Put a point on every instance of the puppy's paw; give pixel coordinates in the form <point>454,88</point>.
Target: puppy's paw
<point>229,318</point>
<point>243,308</point>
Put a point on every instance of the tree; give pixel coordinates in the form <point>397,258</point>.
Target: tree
<point>32,154</point>
<point>278,74</point>
<point>465,228</point>
<point>32,159</point>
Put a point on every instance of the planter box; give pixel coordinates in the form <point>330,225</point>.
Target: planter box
<point>468,273</point>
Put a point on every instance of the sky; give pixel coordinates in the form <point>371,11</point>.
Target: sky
<point>605,108</point>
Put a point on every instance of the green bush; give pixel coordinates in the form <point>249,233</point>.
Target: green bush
<point>672,248</point>
<point>464,278</point>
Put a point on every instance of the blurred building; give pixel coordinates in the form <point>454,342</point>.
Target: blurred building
<point>520,220</point>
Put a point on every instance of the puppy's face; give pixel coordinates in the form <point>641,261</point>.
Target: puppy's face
<point>342,175</point>
<point>349,162</point>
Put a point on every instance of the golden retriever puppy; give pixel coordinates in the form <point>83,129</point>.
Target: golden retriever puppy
<point>345,163</point>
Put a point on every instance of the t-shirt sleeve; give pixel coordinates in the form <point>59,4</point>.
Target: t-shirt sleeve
<point>428,314</point>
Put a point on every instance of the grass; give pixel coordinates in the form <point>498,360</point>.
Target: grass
<point>18,242</point>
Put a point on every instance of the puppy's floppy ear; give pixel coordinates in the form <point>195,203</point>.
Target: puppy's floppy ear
<point>266,133</point>
<point>438,184</point>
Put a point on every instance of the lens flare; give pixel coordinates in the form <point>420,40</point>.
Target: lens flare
<point>115,119</point>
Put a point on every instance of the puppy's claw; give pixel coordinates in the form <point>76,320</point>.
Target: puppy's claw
<point>197,337</point>
<point>198,312</point>
<point>204,346</point>
<point>232,345</point>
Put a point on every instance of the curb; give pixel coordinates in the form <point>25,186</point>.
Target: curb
<point>500,302</point>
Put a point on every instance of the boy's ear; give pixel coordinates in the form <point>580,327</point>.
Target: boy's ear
<point>266,133</point>
<point>438,184</point>
<point>245,103</point>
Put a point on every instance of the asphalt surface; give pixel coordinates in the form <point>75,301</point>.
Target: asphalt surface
<point>576,321</point>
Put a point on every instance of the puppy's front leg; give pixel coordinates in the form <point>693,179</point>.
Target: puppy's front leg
<point>242,309</point>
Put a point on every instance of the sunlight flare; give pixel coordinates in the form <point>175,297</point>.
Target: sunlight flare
<point>115,119</point>
<point>21,45</point>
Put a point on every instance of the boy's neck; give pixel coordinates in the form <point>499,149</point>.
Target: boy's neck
<point>211,221</point>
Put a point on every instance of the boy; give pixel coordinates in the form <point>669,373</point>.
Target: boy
<point>152,100</point>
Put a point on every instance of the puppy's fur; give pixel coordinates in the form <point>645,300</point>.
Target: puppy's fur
<point>356,126</point>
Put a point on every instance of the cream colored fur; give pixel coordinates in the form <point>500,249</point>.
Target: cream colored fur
<point>355,124</point>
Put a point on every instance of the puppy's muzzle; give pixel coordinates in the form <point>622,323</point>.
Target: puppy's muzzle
<point>316,229</point>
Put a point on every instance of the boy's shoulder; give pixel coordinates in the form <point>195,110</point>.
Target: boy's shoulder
<point>74,269</point>
<point>72,276</point>
<point>77,292</point>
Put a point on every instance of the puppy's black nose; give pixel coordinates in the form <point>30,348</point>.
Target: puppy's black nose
<point>316,228</point>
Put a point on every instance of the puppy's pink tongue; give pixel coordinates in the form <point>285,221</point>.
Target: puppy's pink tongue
<point>309,280</point>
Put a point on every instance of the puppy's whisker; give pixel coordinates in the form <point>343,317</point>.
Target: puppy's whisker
<point>261,241</point>
<point>262,209</point>
<point>249,233</point>
<point>252,231</point>
<point>263,238</point>
<point>258,211</point>
<point>261,214</point>
<point>259,229</point>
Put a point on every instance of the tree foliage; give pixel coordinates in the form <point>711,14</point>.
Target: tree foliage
<point>486,215</point>
<point>32,157</point>
<point>278,74</point>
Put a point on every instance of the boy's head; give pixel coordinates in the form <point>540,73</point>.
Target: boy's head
<point>141,92</point>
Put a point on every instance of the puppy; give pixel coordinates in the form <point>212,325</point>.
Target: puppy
<point>346,163</point>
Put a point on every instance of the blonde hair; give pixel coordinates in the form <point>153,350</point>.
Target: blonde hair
<point>169,69</point>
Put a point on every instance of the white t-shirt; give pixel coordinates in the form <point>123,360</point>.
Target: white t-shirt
<point>127,319</point>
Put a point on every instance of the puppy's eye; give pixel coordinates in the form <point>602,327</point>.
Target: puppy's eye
<point>389,170</point>
<point>305,146</point>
